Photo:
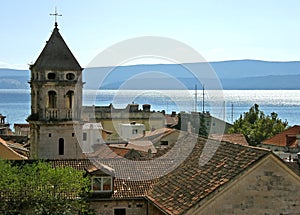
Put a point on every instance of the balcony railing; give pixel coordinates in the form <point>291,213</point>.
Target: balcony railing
<point>58,114</point>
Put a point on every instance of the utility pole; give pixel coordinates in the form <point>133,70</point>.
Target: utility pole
<point>203,99</point>
<point>232,112</point>
<point>196,98</point>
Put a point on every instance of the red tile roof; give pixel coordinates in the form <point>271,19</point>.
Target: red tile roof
<point>295,166</point>
<point>231,138</point>
<point>7,152</point>
<point>182,177</point>
<point>191,182</point>
<point>21,125</point>
<point>177,186</point>
<point>281,138</point>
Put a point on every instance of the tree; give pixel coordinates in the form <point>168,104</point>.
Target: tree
<point>202,128</point>
<point>256,126</point>
<point>38,188</point>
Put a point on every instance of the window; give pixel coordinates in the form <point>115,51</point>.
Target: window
<point>49,134</point>
<point>70,99</point>
<point>120,211</point>
<point>51,76</point>
<point>134,131</point>
<point>102,184</point>
<point>52,99</point>
<point>164,143</point>
<point>61,147</point>
<point>84,136</point>
<point>73,134</point>
<point>70,76</point>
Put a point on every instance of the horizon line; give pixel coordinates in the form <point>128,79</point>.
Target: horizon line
<point>19,67</point>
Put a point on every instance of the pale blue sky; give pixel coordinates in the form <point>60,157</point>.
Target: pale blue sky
<point>218,30</point>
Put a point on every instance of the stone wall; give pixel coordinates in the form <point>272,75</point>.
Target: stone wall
<point>271,188</point>
<point>47,142</point>
<point>108,207</point>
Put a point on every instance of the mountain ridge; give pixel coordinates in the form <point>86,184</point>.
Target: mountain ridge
<point>233,74</point>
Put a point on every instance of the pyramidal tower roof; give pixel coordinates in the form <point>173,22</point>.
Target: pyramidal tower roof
<point>56,55</point>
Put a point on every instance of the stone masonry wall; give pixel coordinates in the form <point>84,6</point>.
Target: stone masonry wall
<point>107,207</point>
<point>269,189</point>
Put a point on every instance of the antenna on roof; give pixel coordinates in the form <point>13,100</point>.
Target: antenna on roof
<point>203,97</point>
<point>196,98</point>
<point>55,15</point>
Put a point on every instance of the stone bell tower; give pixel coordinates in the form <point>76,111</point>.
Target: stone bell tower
<point>56,101</point>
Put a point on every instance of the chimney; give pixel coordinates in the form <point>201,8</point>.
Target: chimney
<point>133,108</point>
<point>149,153</point>
<point>146,107</point>
<point>173,114</point>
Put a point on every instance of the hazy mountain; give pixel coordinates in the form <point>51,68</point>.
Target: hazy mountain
<point>14,79</point>
<point>238,74</point>
<point>254,68</point>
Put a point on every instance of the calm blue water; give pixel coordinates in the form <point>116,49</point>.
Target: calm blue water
<point>15,104</point>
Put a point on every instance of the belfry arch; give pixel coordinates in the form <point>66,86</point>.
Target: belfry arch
<point>70,99</point>
<point>52,99</point>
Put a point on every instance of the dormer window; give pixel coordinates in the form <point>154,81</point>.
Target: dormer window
<point>101,183</point>
<point>51,76</point>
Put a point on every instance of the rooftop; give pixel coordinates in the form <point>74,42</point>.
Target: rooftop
<point>56,55</point>
<point>231,138</point>
<point>281,138</point>
<point>163,179</point>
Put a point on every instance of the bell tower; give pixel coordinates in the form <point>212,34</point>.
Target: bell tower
<point>56,101</point>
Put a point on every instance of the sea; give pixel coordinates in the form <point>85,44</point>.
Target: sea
<point>227,105</point>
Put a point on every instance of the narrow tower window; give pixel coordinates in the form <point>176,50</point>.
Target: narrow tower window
<point>52,99</point>
<point>61,146</point>
<point>70,99</point>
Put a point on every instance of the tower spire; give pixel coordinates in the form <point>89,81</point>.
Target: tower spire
<point>55,15</point>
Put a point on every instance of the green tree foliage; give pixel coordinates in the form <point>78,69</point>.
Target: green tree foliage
<point>202,128</point>
<point>37,188</point>
<point>256,126</point>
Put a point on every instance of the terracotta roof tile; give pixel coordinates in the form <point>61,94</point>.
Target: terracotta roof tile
<point>23,125</point>
<point>127,184</point>
<point>179,179</point>
<point>231,138</point>
<point>191,182</point>
<point>281,138</point>
<point>295,166</point>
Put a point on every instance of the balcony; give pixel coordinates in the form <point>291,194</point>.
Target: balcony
<point>58,114</point>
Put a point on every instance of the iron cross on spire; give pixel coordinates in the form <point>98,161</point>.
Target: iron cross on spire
<point>56,15</point>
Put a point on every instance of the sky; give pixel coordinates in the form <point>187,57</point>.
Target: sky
<point>218,29</point>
